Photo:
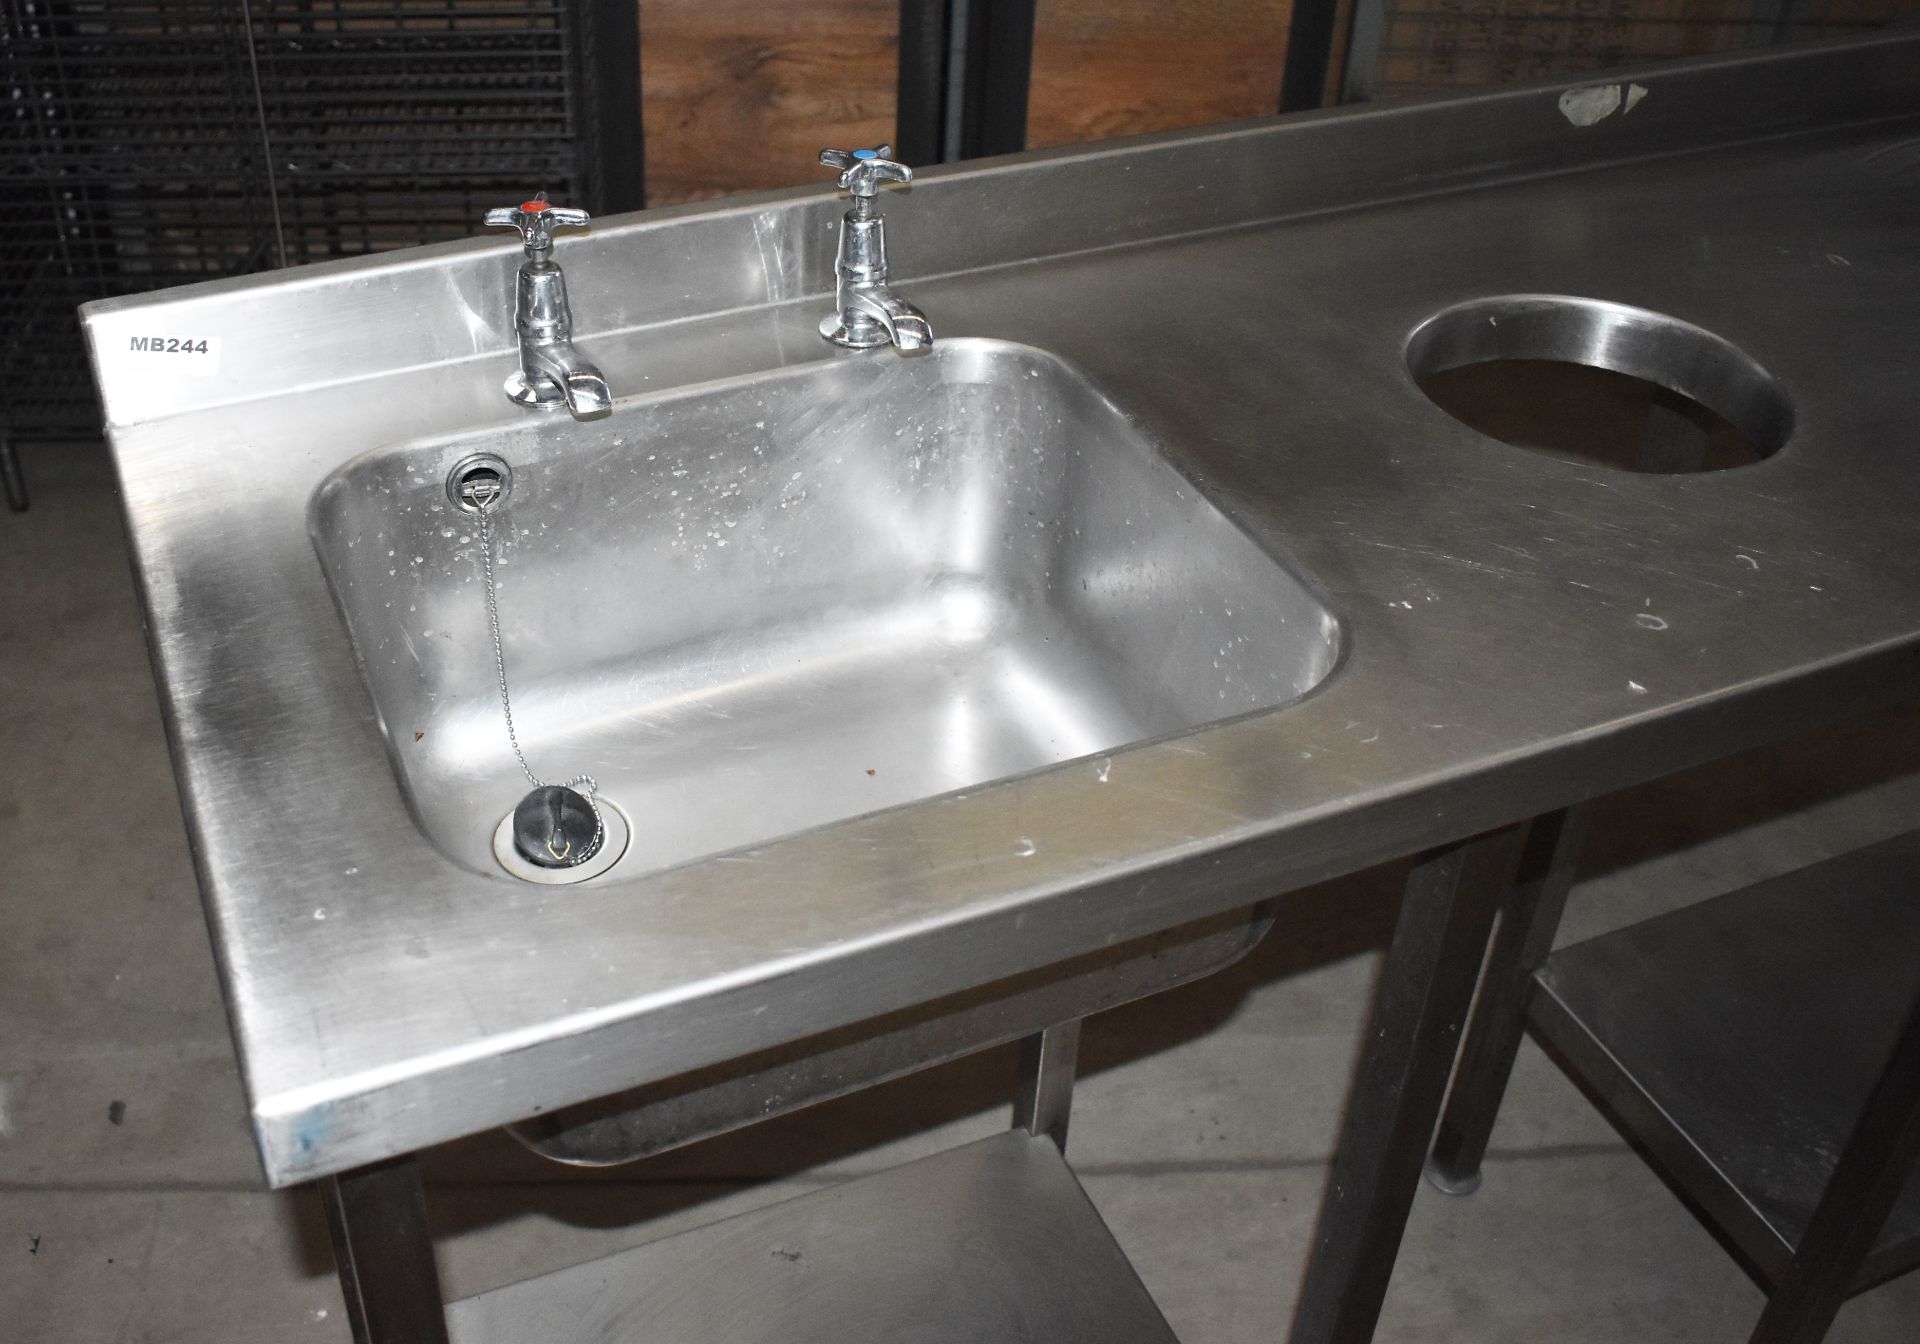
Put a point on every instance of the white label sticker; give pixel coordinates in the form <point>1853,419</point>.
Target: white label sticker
<point>198,356</point>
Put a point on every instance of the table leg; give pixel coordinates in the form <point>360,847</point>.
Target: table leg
<point>1528,922</point>
<point>378,1218</point>
<point>1872,1171</point>
<point>12,479</point>
<point>1671,442</point>
<point>1425,986</point>
<point>1044,1100</point>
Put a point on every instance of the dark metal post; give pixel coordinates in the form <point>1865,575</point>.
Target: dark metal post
<point>1872,1172</point>
<point>966,67</point>
<point>605,61</point>
<point>1772,22</point>
<point>920,103</point>
<point>1310,34</point>
<point>998,77</point>
<point>1527,925</point>
<point>1044,1101</point>
<point>1361,70</point>
<point>12,479</point>
<point>1425,986</point>
<point>381,1246</point>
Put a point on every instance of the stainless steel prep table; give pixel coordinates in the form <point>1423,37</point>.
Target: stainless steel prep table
<point>1245,294</point>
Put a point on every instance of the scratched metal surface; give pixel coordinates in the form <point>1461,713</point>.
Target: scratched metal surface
<point>1520,632</point>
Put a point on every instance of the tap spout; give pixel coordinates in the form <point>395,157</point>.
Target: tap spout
<point>866,311</point>
<point>551,370</point>
<point>559,371</point>
<point>906,326</point>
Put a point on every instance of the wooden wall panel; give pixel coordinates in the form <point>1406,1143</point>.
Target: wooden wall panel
<point>738,95</point>
<point>1103,68</point>
<point>742,94</point>
<point>1438,45</point>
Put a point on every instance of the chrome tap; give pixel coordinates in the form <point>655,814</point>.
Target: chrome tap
<point>865,311</point>
<point>551,370</point>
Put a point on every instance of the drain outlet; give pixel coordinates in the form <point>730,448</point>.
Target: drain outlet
<point>613,847</point>
<point>478,482</point>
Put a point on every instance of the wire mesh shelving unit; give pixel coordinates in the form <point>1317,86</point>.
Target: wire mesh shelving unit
<point>155,142</point>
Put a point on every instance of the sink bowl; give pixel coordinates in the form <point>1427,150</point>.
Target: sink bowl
<point>757,606</point>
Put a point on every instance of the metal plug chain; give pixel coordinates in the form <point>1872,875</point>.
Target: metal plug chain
<point>484,500</point>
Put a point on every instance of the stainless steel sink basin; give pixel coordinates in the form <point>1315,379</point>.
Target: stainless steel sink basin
<point>766,604</point>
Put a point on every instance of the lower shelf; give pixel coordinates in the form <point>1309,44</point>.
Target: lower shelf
<point>994,1241</point>
<point>1737,1040</point>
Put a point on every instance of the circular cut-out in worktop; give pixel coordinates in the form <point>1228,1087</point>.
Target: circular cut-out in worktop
<point>1600,383</point>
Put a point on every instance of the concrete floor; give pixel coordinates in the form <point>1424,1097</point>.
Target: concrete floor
<point>130,1206</point>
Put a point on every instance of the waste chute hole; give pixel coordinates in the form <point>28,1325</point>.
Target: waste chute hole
<point>1599,383</point>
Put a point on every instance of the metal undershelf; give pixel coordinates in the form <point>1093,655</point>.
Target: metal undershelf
<point>1737,1040</point>
<point>992,1241</point>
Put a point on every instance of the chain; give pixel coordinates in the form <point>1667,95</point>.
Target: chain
<point>484,502</point>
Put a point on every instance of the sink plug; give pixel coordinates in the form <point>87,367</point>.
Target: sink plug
<point>558,832</point>
<point>557,827</point>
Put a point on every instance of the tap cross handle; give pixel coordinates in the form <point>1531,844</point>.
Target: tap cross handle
<point>536,220</point>
<point>863,170</point>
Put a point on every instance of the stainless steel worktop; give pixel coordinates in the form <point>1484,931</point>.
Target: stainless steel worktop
<point>1519,632</point>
